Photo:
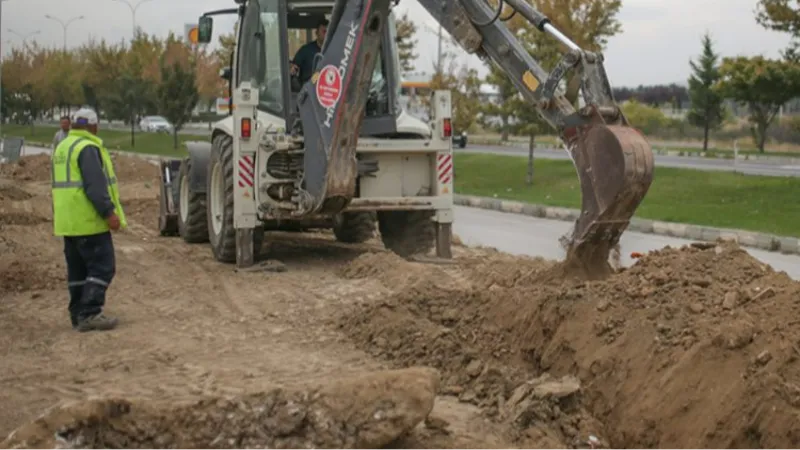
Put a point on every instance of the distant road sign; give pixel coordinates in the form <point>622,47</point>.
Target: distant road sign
<point>190,33</point>
<point>12,149</point>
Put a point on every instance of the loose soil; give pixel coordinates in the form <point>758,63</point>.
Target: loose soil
<point>692,347</point>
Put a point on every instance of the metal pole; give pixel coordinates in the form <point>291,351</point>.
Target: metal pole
<point>439,56</point>
<point>64,25</point>
<point>133,11</point>
<point>2,62</point>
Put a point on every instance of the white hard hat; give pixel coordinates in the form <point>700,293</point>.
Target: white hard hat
<point>85,116</point>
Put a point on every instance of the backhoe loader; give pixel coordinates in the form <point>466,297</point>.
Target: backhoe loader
<point>338,151</point>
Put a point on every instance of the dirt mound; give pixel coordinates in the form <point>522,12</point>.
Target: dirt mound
<point>13,194</point>
<point>142,210</point>
<point>13,213</point>
<point>27,274</point>
<point>131,169</point>
<point>28,168</point>
<point>38,168</point>
<point>392,270</point>
<point>370,265</point>
<point>20,218</point>
<point>365,412</point>
<point>689,347</point>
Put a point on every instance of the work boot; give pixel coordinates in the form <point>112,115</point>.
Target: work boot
<point>98,322</point>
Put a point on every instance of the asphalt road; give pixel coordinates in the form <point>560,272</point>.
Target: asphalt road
<point>524,235</point>
<point>767,168</point>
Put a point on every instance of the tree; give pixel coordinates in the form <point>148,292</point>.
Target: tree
<point>502,108</point>
<point>707,110</point>
<point>25,76</point>
<point>647,118</point>
<point>763,85</point>
<point>406,29</point>
<point>177,92</point>
<point>780,15</point>
<point>224,54</point>
<point>17,87</point>
<point>464,86</point>
<point>62,80</point>
<point>104,65</point>
<point>210,85</point>
<point>588,23</point>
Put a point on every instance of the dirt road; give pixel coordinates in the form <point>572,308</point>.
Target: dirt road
<point>693,347</point>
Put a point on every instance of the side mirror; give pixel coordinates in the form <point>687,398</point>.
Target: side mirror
<point>205,28</point>
<point>225,73</point>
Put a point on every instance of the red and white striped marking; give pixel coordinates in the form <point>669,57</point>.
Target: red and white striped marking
<point>247,171</point>
<point>444,162</point>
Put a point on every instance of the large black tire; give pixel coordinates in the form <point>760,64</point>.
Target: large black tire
<point>354,227</point>
<point>223,243</point>
<point>407,233</point>
<point>193,227</point>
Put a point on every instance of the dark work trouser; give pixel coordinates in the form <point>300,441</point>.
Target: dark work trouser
<point>90,269</point>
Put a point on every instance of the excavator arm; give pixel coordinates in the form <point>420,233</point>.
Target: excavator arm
<point>614,161</point>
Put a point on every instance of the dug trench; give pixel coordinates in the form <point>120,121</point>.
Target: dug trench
<point>693,347</point>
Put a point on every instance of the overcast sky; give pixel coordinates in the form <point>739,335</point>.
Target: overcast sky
<point>658,39</point>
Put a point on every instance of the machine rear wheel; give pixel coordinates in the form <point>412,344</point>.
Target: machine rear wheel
<point>221,233</point>
<point>407,233</point>
<point>192,220</point>
<point>354,227</point>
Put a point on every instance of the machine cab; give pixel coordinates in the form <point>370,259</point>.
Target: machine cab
<point>269,35</point>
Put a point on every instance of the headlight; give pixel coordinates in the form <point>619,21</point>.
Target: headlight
<point>464,133</point>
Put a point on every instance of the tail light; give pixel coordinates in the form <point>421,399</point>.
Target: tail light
<point>447,128</point>
<point>246,128</point>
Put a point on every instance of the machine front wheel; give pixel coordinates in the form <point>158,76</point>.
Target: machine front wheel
<point>192,221</point>
<point>221,232</point>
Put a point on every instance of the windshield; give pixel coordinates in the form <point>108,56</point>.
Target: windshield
<point>272,90</point>
<point>156,119</point>
<point>260,60</point>
<point>395,59</point>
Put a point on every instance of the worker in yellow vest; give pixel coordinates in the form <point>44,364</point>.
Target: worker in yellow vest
<point>86,208</point>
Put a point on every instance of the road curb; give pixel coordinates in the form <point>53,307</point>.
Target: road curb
<point>768,242</point>
<point>657,151</point>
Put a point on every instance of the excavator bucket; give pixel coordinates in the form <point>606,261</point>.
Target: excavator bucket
<point>615,167</point>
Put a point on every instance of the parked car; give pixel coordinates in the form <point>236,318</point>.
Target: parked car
<point>460,139</point>
<point>155,124</point>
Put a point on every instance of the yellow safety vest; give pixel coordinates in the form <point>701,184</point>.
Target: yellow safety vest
<point>73,212</point>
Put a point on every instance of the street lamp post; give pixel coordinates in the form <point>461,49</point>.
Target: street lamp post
<point>64,25</point>
<point>133,8</point>
<point>24,37</point>
<point>440,49</point>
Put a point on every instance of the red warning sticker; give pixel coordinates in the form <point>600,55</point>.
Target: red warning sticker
<point>329,86</point>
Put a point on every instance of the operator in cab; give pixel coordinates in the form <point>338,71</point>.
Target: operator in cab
<point>303,62</point>
<point>86,208</point>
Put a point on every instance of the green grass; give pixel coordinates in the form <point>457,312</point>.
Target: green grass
<point>662,144</point>
<point>718,199</point>
<point>151,143</point>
